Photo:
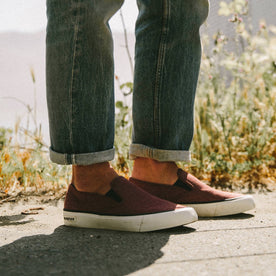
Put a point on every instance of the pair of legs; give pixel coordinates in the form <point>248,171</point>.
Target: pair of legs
<point>80,96</point>
<point>80,84</point>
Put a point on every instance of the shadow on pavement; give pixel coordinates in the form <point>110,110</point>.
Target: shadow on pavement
<point>13,220</point>
<point>75,251</point>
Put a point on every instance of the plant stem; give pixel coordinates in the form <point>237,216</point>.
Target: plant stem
<point>126,43</point>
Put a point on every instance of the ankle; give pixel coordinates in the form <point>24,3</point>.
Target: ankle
<point>95,178</point>
<point>150,170</point>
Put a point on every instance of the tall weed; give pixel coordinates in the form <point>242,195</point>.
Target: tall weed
<point>235,121</point>
<point>234,142</point>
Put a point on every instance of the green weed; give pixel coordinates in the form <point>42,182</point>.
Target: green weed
<point>234,142</point>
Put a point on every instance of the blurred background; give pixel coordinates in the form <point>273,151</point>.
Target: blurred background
<point>235,117</point>
<point>22,48</point>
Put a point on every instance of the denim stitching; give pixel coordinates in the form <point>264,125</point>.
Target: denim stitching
<point>68,159</point>
<point>159,69</point>
<point>150,153</point>
<point>76,30</point>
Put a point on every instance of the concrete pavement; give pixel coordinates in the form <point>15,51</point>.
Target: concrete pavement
<point>38,244</point>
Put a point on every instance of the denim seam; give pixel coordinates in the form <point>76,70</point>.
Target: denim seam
<point>75,38</point>
<point>158,77</point>
<point>73,158</point>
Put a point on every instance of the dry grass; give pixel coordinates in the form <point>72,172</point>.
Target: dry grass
<point>234,145</point>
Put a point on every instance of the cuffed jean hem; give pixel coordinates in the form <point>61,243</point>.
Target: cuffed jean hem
<point>138,150</point>
<point>82,158</point>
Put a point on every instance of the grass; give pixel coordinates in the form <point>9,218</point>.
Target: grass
<point>234,145</point>
<point>235,137</point>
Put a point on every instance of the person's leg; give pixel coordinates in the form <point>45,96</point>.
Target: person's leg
<point>81,114</point>
<point>168,53</point>
<point>167,60</point>
<point>80,98</point>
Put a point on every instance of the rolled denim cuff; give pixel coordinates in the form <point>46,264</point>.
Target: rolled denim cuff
<point>138,150</point>
<point>82,158</point>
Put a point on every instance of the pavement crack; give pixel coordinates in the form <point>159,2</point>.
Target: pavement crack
<point>235,229</point>
<point>218,258</point>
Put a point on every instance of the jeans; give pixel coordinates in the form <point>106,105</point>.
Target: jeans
<point>80,79</point>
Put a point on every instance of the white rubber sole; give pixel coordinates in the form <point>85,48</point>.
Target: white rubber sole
<point>141,223</point>
<point>224,208</point>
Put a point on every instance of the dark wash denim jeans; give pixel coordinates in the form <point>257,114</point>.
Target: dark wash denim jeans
<point>80,79</point>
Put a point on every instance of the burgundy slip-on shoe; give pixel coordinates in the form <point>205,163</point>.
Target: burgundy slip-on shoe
<point>125,207</point>
<point>207,201</point>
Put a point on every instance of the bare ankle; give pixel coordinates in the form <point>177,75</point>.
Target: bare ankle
<point>151,170</point>
<point>94,178</point>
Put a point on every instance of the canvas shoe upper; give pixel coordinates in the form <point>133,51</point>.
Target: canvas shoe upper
<point>190,191</point>
<point>125,207</point>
